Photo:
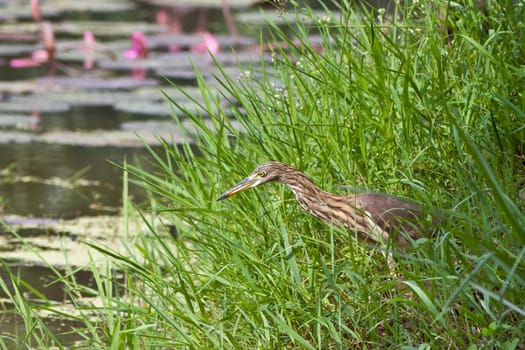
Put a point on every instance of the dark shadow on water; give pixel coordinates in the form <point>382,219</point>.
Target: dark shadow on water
<point>14,332</point>
<point>45,281</point>
<point>80,118</point>
<point>12,325</point>
<point>88,118</point>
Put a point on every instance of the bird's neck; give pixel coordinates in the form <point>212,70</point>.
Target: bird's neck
<point>312,198</point>
<point>328,207</point>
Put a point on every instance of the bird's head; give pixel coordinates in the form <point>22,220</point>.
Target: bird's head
<point>264,173</point>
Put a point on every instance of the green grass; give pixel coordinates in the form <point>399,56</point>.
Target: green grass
<point>427,103</point>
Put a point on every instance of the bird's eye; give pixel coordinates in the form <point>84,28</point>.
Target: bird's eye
<point>261,174</point>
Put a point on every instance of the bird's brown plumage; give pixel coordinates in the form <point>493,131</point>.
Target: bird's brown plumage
<point>375,217</point>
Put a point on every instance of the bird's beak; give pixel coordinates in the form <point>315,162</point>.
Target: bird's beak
<point>241,186</point>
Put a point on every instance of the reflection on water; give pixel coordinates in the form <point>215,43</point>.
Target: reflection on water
<point>46,161</point>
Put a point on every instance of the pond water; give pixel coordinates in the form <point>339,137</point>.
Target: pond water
<point>73,122</point>
<point>43,137</point>
<point>40,179</point>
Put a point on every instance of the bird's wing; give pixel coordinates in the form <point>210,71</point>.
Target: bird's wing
<point>394,215</point>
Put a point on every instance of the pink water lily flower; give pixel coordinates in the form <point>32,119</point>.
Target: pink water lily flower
<point>37,58</point>
<point>139,46</point>
<point>210,44</point>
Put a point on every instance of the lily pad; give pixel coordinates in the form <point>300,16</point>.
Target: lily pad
<point>96,83</point>
<point>120,138</point>
<point>55,243</point>
<point>241,58</point>
<point>79,55</point>
<point>86,97</point>
<point>223,58</point>
<point>95,6</point>
<point>28,104</point>
<point>181,75</point>
<point>14,49</point>
<point>149,100</point>
<point>19,86</point>
<point>117,138</point>
<point>172,60</point>
<point>167,40</point>
<point>282,17</point>
<point>106,28</point>
<point>53,8</point>
<point>16,121</point>
<point>13,10</point>
<point>231,41</point>
<point>15,137</point>
<point>201,3</point>
<point>126,64</point>
<point>163,108</point>
<point>208,72</point>
<point>188,125</point>
<point>146,107</point>
<point>174,63</point>
<point>160,93</point>
<point>149,125</point>
<point>131,135</point>
<point>99,28</point>
<point>188,75</point>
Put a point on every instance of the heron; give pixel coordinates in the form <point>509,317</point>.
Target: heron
<point>375,217</point>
